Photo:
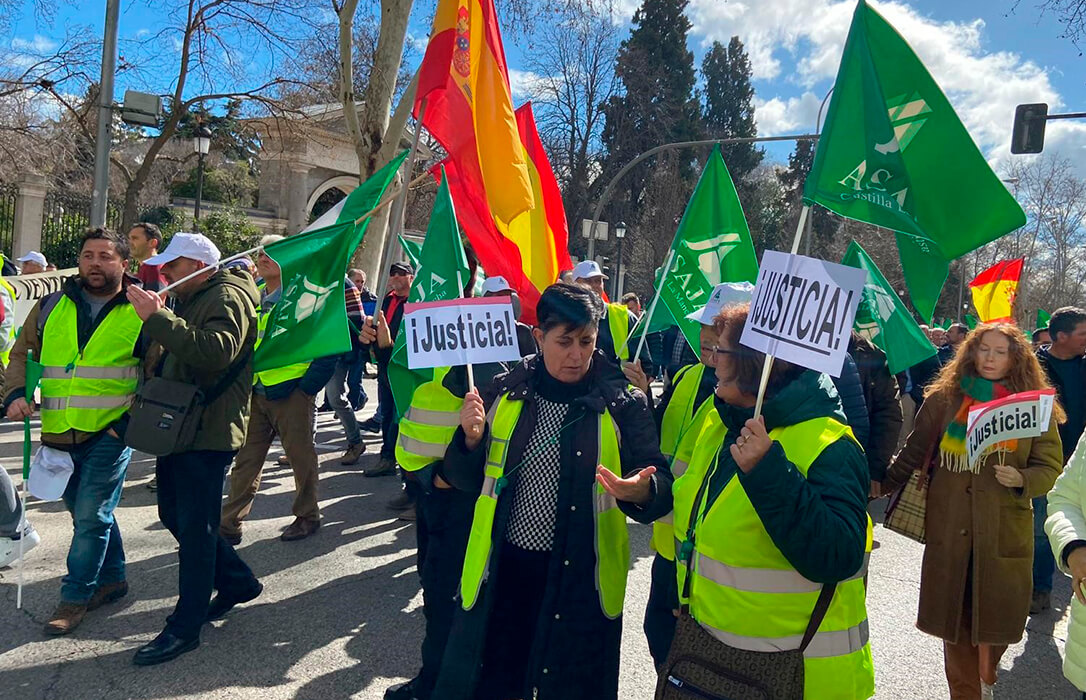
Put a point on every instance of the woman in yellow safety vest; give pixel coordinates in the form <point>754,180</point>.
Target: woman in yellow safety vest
<point>559,452</point>
<point>975,582</point>
<point>770,517</point>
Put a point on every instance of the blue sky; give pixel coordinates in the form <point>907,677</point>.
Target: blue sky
<point>986,54</point>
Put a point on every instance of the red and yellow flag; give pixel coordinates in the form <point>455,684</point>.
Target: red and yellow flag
<point>994,290</point>
<point>532,249</point>
<point>466,104</point>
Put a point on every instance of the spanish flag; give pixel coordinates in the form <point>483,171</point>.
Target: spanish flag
<point>994,290</point>
<point>531,250</point>
<point>466,104</point>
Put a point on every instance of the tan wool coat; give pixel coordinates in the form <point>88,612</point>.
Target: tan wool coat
<point>973,516</point>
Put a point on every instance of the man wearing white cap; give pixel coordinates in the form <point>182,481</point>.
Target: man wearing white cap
<point>87,337</point>
<point>685,402</point>
<point>498,286</point>
<point>207,340</point>
<point>617,320</point>
<point>32,263</point>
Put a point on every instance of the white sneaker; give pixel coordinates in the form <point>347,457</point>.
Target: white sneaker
<point>9,546</point>
<point>987,692</point>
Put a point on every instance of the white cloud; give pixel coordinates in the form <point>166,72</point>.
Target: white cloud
<point>810,34</point>
<point>37,45</point>
<point>523,83</point>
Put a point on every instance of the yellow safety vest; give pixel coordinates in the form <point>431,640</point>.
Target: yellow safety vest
<point>429,424</point>
<point>612,540</point>
<point>746,594</point>
<point>279,375</point>
<point>618,320</point>
<point>681,418</point>
<point>87,390</point>
<point>6,354</point>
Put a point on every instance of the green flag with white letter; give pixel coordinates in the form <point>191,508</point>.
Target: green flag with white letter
<point>712,245</point>
<point>1043,318</point>
<point>894,154</point>
<point>310,318</point>
<point>441,273</point>
<point>883,319</point>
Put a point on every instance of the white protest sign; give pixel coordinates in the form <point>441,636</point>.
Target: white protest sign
<point>460,332</point>
<point>803,310</point>
<point>1023,415</point>
<point>29,289</point>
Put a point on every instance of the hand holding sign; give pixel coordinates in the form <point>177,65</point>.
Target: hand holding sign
<point>472,419</point>
<point>1076,562</point>
<point>751,445</point>
<point>1009,476</point>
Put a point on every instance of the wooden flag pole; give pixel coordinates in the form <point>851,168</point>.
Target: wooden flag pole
<point>768,366</point>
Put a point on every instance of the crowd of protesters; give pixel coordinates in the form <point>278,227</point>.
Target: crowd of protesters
<point>521,477</point>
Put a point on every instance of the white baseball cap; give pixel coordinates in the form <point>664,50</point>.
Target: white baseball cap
<point>726,294</point>
<point>495,284</point>
<point>194,246</point>
<point>49,473</point>
<point>587,269</point>
<point>33,256</point>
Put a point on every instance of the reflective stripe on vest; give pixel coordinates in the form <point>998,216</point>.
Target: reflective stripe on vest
<point>429,424</point>
<point>680,417</point>
<point>88,390</point>
<point>279,375</point>
<point>618,321</point>
<point>744,591</point>
<point>610,537</point>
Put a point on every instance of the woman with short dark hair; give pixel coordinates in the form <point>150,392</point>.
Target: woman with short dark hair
<point>770,516</point>
<point>560,451</point>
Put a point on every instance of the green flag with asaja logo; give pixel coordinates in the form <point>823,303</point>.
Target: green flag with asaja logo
<point>310,318</point>
<point>894,154</point>
<point>441,274</point>
<point>712,245</point>
<point>883,319</point>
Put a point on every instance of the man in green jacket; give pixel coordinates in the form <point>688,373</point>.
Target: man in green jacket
<point>207,340</point>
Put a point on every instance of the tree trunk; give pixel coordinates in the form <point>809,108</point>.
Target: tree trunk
<point>370,130</point>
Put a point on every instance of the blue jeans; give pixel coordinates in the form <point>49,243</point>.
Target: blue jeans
<point>96,556</point>
<point>336,394</point>
<point>356,393</point>
<point>1044,563</point>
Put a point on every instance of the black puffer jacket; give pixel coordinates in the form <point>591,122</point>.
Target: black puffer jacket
<point>851,391</point>
<point>576,644</point>
<point>883,399</point>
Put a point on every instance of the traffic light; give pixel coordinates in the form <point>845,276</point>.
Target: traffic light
<point>1029,128</point>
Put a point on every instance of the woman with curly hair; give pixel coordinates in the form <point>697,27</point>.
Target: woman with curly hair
<point>976,579</point>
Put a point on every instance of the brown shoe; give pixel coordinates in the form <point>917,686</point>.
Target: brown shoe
<point>353,454</point>
<point>384,467</point>
<point>65,618</point>
<point>300,529</point>
<point>284,460</point>
<point>109,593</point>
<point>401,501</point>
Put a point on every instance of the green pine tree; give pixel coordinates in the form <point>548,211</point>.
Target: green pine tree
<point>728,111</point>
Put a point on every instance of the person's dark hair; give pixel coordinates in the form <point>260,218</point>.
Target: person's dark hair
<point>747,363</point>
<point>959,327</point>
<point>151,231</point>
<point>569,306</point>
<point>1064,320</point>
<point>630,296</point>
<point>120,243</point>
<point>1037,334</point>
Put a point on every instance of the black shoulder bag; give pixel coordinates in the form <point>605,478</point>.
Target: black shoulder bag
<point>166,414</point>
<point>701,667</point>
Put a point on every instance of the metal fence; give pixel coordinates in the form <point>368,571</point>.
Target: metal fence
<point>65,218</point>
<point>8,194</point>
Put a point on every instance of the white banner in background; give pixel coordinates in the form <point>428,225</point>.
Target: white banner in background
<point>803,310</point>
<point>460,332</point>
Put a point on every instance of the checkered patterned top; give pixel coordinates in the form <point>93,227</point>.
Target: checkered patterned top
<point>535,500</point>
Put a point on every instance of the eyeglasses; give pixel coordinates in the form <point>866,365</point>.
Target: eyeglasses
<point>717,350</point>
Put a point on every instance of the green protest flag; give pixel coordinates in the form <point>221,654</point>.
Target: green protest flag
<point>33,378</point>
<point>310,319</point>
<point>441,272</point>
<point>712,245</point>
<point>883,319</point>
<point>411,249</point>
<point>946,324</point>
<point>894,154</point>
<point>1043,319</point>
<point>971,321</point>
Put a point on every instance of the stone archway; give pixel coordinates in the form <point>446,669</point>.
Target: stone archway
<point>325,193</point>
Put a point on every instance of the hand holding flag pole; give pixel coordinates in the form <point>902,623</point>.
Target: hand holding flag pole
<point>33,377</point>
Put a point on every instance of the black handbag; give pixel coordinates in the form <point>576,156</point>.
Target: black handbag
<point>701,667</point>
<point>166,414</point>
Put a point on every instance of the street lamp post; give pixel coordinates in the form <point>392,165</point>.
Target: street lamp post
<point>201,145</point>
<point>620,234</point>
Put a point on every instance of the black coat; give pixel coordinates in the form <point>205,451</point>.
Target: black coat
<point>850,389</point>
<point>576,644</point>
<point>883,399</point>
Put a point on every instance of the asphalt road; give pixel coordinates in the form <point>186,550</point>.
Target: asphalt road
<point>341,613</point>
